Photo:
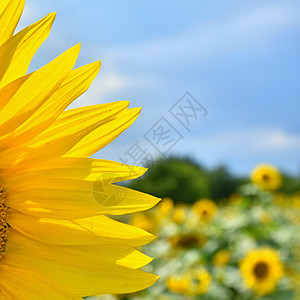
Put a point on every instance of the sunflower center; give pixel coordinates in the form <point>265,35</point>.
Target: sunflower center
<point>3,224</point>
<point>188,240</point>
<point>261,270</point>
<point>266,177</point>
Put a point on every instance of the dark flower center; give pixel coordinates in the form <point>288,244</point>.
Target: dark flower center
<point>261,270</point>
<point>266,177</point>
<point>188,240</point>
<point>3,224</point>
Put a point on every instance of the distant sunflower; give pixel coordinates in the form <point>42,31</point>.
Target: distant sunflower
<point>188,240</point>
<point>261,270</point>
<point>221,258</point>
<point>202,282</point>
<point>179,214</point>
<point>205,209</point>
<point>179,284</point>
<point>55,240</point>
<point>266,177</point>
<point>191,283</point>
<point>165,207</point>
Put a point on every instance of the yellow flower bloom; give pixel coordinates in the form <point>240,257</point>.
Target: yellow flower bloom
<point>165,207</point>
<point>188,240</point>
<point>265,217</point>
<point>221,258</point>
<point>55,241</point>
<point>142,221</point>
<point>192,283</point>
<point>279,198</point>
<point>178,284</point>
<point>179,214</point>
<point>202,283</point>
<point>235,199</point>
<point>261,269</point>
<point>296,200</point>
<point>205,209</point>
<point>267,177</point>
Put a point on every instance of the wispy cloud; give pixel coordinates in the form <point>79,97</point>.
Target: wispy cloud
<point>208,40</point>
<point>238,33</point>
<point>267,140</point>
<point>271,145</point>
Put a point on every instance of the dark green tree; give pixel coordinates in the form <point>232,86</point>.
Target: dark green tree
<point>179,178</point>
<point>222,183</point>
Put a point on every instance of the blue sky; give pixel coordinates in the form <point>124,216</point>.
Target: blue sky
<point>239,59</point>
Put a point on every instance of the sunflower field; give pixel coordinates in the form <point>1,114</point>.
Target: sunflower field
<point>244,247</point>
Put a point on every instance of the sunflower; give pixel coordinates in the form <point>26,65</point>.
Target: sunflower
<point>205,209</point>
<point>179,284</point>
<point>165,207</point>
<point>221,258</point>
<point>56,241</point>
<point>203,282</point>
<point>261,269</point>
<point>188,240</point>
<point>266,177</point>
<point>191,283</point>
<point>179,214</point>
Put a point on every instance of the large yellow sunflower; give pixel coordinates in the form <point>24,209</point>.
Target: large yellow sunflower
<point>266,177</point>
<point>261,269</point>
<point>55,240</point>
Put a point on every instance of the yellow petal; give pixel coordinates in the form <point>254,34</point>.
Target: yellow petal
<point>103,135</point>
<point>17,52</point>
<point>70,128</point>
<point>118,200</point>
<point>63,198</point>
<point>74,120</point>
<point>75,84</point>
<point>22,284</point>
<point>90,280</point>
<point>28,250</point>
<point>33,90</point>
<point>10,13</point>
<point>72,167</point>
<point>81,269</point>
<point>88,231</point>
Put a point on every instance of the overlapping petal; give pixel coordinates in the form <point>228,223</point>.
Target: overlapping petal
<point>24,96</point>
<point>103,135</point>
<point>10,13</point>
<point>87,231</point>
<point>24,284</point>
<point>76,83</point>
<point>56,197</point>
<point>86,270</point>
<point>17,52</point>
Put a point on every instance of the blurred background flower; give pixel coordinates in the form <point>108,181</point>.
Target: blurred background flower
<point>241,245</point>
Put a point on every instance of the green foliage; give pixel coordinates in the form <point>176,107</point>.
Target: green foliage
<point>180,179</point>
<point>222,182</point>
<point>184,180</point>
<point>290,184</point>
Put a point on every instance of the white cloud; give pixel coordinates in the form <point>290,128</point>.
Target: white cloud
<point>235,34</point>
<point>102,86</point>
<point>244,142</point>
